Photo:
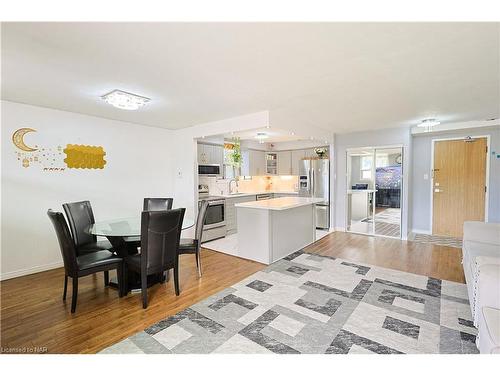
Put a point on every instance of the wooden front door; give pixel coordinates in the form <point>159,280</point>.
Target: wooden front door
<point>459,184</point>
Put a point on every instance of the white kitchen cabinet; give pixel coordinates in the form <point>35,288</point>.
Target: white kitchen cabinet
<point>253,163</point>
<point>272,163</point>
<point>202,154</point>
<point>309,153</point>
<point>284,163</point>
<point>230,215</point>
<point>297,156</point>
<point>281,195</point>
<point>210,154</point>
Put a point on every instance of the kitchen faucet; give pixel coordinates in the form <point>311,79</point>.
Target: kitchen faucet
<point>236,183</point>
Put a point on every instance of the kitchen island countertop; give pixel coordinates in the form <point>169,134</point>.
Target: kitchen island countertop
<point>279,204</point>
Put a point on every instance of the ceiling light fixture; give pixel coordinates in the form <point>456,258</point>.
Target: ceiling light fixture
<point>429,123</point>
<point>262,136</point>
<point>292,133</point>
<point>125,100</point>
<point>268,126</point>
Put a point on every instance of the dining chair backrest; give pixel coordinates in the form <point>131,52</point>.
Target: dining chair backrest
<point>80,217</point>
<point>160,236</point>
<point>158,204</point>
<point>66,243</point>
<point>200,220</point>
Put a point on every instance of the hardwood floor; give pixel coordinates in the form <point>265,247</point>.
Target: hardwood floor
<point>34,315</point>
<point>441,262</point>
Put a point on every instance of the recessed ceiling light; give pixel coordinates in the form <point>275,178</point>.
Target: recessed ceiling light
<point>427,123</point>
<point>125,100</point>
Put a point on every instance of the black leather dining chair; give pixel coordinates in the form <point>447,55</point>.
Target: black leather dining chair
<point>158,204</point>
<point>76,266</point>
<point>81,217</point>
<point>160,235</point>
<point>193,245</point>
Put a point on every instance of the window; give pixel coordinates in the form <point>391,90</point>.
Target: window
<point>366,167</point>
<point>382,160</point>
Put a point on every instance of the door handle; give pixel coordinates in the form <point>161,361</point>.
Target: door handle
<point>438,190</point>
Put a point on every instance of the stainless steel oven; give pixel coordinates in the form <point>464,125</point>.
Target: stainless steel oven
<point>215,221</point>
<point>215,214</point>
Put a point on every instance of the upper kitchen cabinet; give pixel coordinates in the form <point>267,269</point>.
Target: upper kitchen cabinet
<point>210,154</point>
<point>271,163</point>
<point>254,163</point>
<point>309,153</point>
<point>284,163</point>
<point>296,156</point>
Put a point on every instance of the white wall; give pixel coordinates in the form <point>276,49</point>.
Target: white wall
<point>139,164</point>
<point>384,137</point>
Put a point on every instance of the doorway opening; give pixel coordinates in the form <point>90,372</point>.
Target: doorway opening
<point>374,184</point>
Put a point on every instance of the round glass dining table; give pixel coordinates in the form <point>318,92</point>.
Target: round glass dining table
<point>125,236</point>
<point>125,227</point>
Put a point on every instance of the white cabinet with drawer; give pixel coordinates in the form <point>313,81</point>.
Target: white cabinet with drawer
<point>281,195</point>
<point>231,223</point>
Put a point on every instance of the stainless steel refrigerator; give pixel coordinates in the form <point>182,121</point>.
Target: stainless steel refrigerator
<point>314,182</point>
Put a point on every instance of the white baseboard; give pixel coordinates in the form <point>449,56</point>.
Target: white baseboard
<point>339,229</point>
<point>29,271</point>
<point>420,231</point>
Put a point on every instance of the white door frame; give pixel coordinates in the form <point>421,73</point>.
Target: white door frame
<point>487,177</point>
<point>402,194</point>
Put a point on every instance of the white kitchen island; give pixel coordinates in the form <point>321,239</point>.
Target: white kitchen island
<point>269,230</point>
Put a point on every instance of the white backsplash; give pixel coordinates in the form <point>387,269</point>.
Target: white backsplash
<point>215,186</point>
<point>256,184</point>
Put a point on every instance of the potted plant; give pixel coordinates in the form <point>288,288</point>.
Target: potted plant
<point>321,152</point>
<point>235,157</point>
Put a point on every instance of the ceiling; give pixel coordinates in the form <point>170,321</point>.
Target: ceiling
<point>273,135</point>
<point>338,76</point>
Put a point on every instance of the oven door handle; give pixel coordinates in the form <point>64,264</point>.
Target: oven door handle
<point>215,203</point>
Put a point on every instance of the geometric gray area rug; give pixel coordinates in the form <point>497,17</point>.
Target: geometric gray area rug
<point>307,303</point>
<point>436,240</point>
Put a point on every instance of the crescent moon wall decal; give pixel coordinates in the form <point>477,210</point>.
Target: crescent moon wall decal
<point>18,139</point>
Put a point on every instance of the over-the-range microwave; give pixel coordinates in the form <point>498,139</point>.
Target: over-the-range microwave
<point>209,169</point>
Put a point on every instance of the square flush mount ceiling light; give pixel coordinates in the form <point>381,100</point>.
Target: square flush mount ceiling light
<point>261,137</point>
<point>430,122</point>
<point>125,100</point>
